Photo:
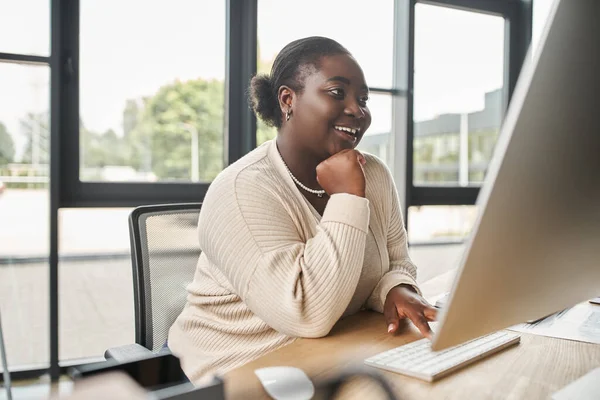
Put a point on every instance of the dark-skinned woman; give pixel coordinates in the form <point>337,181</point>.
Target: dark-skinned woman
<point>303,230</point>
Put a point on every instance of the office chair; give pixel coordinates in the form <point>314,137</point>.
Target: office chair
<point>164,253</point>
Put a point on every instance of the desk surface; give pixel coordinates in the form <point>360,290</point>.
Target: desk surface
<point>536,368</point>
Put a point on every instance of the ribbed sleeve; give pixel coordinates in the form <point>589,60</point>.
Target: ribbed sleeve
<point>298,287</point>
<point>401,270</point>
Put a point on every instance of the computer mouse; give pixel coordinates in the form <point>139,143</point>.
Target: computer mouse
<point>286,383</point>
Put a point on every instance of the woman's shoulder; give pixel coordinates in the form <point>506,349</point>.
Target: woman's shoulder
<point>376,170</point>
<point>250,189</point>
<point>253,172</point>
<point>376,161</point>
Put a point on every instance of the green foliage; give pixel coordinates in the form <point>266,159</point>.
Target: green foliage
<point>161,140</point>
<point>423,152</point>
<point>450,157</point>
<point>7,146</point>
<point>481,145</point>
<point>157,134</point>
<point>99,150</point>
<point>264,132</point>
<point>131,116</point>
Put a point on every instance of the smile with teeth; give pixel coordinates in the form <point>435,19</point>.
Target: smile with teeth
<point>349,131</point>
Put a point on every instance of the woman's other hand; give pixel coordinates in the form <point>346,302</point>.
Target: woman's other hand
<point>403,302</point>
<point>343,173</point>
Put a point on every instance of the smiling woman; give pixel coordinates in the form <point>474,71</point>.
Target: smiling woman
<point>322,91</point>
<point>304,222</point>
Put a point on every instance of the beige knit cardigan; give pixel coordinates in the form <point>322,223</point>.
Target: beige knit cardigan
<point>273,270</point>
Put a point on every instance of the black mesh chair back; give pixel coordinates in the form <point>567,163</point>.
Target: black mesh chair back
<point>164,251</point>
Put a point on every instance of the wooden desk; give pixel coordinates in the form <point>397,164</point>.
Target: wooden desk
<point>534,369</point>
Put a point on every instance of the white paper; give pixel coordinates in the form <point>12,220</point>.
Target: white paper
<point>580,323</point>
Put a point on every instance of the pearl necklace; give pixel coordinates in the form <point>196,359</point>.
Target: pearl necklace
<point>319,193</point>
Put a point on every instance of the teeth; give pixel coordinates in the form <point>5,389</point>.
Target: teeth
<point>345,129</point>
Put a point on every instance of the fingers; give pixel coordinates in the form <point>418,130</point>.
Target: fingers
<point>421,323</point>
<point>430,313</point>
<point>403,303</point>
<point>392,321</point>
<point>361,158</point>
<point>420,315</point>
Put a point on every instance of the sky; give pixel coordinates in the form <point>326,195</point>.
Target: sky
<point>130,48</point>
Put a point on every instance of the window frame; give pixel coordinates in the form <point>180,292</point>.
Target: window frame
<point>66,189</point>
<point>28,372</point>
<point>238,138</point>
<point>517,37</point>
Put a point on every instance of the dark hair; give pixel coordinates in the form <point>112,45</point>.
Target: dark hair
<point>291,66</point>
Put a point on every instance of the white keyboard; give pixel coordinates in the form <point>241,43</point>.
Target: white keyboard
<point>416,359</point>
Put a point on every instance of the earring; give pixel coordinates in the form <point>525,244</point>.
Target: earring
<point>287,115</point>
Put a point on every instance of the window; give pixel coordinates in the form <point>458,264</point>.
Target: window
<point>333,21</point>
<point>440,224</point>
<point>349,22</point>
<point>467,56</point>
<point>458,86</point>
<point>142,117</point>
<point>96,282</point>
<point>24,206</point>
<point>152,90</point>
<point>377,138</point>
<point>25,27</point>
<point>541,13</point>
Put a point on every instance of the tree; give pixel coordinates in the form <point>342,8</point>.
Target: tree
<point>163,134</point>
<point>99,150</point>
<point>7,146</point>
<point>131,115</point>
<point>37,135</point>
<point>264,132</point>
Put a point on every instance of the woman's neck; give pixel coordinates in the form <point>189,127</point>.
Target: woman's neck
<point>301,163</point>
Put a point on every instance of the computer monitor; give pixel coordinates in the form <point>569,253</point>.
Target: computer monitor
<point>535,247</point>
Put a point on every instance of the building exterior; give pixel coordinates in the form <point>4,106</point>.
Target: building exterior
<point>451,149</point>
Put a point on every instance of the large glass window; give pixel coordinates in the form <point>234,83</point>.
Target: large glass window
<point>152,90</point>
<point>440,224</point>
<point>458,94</point>
<point>377,138</point>
<point>96,286</point>
<point>24,212</point>
<point>151,109</point>
<point>350,22</point>
<point>25,27</point>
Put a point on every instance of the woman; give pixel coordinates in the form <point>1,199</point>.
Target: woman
<point>301,231</point>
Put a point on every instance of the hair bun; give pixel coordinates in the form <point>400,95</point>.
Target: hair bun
<point>263,99</point>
